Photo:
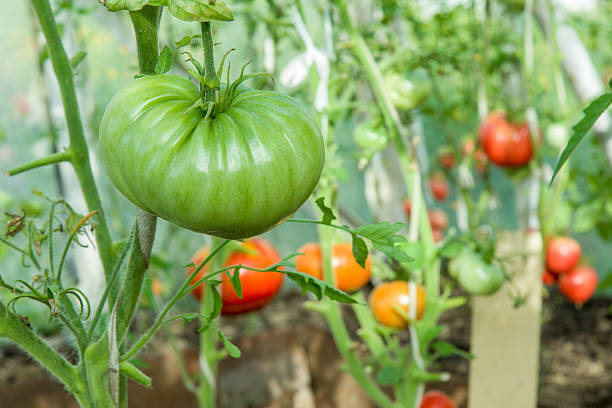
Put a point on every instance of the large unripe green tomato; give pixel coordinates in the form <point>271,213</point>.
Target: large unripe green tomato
<point>235,175</point>
<point>474,275</point>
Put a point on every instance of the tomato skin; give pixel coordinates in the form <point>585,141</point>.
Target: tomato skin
<point>373,139</point>
<point>578,285</point>
<point>234,176</point>
<point>474,275</point>
<point>549,278</point>
<point>506,144</point>
<point>388,295</point>
<point>439,187</point>
<point>437,218</point>
<point>348,274</point>
<point>436,399</point>
<point>258,288</point>
<point>197,259</point>
<point>562,254</point>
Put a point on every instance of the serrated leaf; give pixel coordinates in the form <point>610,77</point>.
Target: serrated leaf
<point>235,280</point>
<point>415,251</point>
<point>390,375</point>
<point>200,10</point>
<point>232,350</point>
<point>384,238</point>
<point>328,214</point>
<point>445,349</point>
<point>360,250</point>
<point>77,59</point>
<point>164,63</point>
<point>318,287</point>
<point>218,305</point>
<point>591,114</point>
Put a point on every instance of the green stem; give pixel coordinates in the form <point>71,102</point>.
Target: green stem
<point>78,145</point>
<point>45,161</point>
<point>14,329</point>
<point>208,361</point>
<point>211,79</point>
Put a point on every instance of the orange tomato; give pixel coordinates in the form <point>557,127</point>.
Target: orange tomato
<point>388,296</point>
<point>348,274</point>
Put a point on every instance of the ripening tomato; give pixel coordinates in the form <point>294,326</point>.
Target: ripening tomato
<point>446,157</point>
<point>258,288</point>
<point>348,274</point>
<point>549,278</point>
<point>562,254</point>
<point>236,174</point>
<point>388,296</point>
<point>438,235</point>
<point>436,399</point>
<point>439,187</point>
<point>438,219</point>
<point>506,144</point>
<point>578,285</point>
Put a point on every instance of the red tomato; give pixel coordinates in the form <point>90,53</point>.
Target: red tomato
<point>197,260</point>
<point>549,278</point>
<point>446,158</point>
<point>479,156</point>
<point>388,296</point>
<point>438,235</point>
<point>562,254</point>
<point>439,187</point>
<point>506,144</point>
<point>578,285</point>
<point>436,399</point>
<point>407,207</point>
<point>348,274</point>
<point>258,288</point>
<point>438,219</point>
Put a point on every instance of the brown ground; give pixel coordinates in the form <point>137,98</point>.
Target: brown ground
<point>289,360</point>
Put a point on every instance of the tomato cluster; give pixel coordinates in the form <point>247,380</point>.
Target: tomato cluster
<point>577,283</point>
<point>506,144</point>
<point>349,276</point>
<point>387,297</point>
<point>258,288</point>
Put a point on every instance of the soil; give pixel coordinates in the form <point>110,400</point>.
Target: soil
<point>289,360</point>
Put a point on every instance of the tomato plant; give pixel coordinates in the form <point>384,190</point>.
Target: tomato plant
<point>436,399</point>
<point>387,297</point>
<point>562,254</point>
<point>348,274</point>
<point>506,144</point>
<point>258,288</point>
<point>579,284</point>
<point>234,173</point>
<point>474,275</point>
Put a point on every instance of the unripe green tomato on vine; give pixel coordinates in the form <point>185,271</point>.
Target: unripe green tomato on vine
<point>239,173</point>
<point>474,275</point>
<point>407,91</point>
<point>370,138</point>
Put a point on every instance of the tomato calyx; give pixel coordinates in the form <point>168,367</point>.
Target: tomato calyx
<point>215,97</point>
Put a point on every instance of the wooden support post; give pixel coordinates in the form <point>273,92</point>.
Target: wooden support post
<point>506,340</point>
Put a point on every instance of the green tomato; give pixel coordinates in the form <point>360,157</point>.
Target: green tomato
<point>407,92</point>
<point>235,175</point>
<point>476,276</point>
<point>370,138</point>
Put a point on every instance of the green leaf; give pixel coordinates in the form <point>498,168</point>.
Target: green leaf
<point>360,250</point>
<point>131,5</point>
<point>445,349</point>
<point>415,251</point>
<point>451,249</point>
<point>200,10</point>
<point>232,350</point>
<point>164,63</point>
<point>235,280</point>
<point>390,375</point>
<point>328,214</point>
<point>607,282</point>
<point>217,299</point>
<point>186,40</point>
<point>586,216</point>
<point>384,238</point>
<point>77,59</point>
<point>591,114</point>
<point>318,287</point>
